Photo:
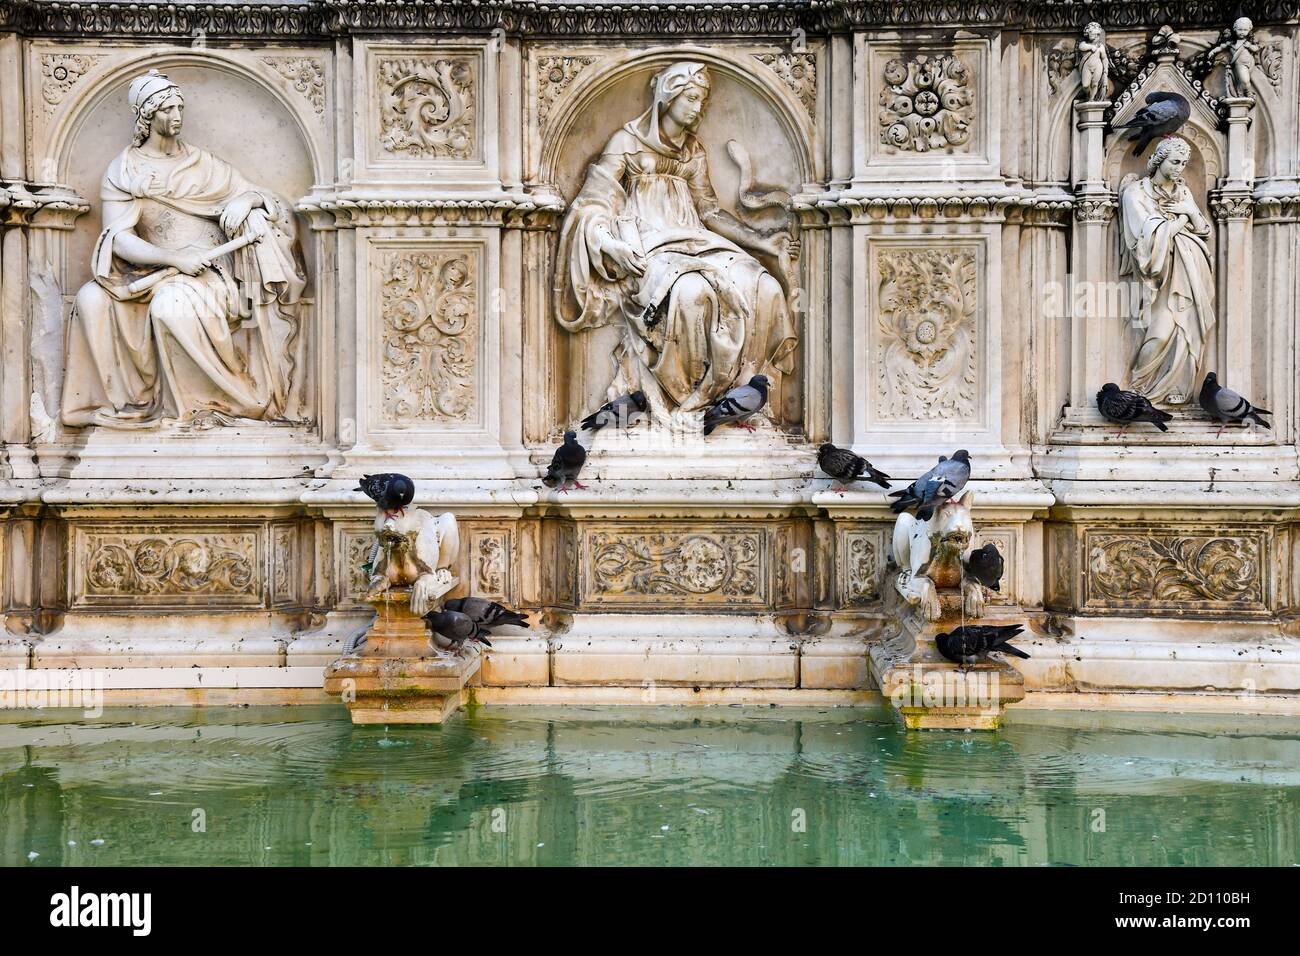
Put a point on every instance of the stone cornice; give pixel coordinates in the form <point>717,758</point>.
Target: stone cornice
<point>828,209</point>
<point>43,206</point>
<point>310,19</point>
<point>510,212</point>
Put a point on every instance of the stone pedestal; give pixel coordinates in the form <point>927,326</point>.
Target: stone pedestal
<point>932,693</point>
<point>394,677</point>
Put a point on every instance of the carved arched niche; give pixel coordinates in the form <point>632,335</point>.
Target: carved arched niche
<point>746,105</point>
<point>231,111</point>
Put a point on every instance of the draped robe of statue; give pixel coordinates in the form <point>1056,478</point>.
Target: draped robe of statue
<point>1173,267</point>
<point>215,342</point>
<point>706,315</point>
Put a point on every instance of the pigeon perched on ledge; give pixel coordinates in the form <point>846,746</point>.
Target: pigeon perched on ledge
<point>1164,115</point>
<point>1227,406</point>
<point>1125,408</point>
<point>566,464</point>
<point>449,630</point>
<point>985,565</point>
<point>738,405</point>
<point>486,613</point>
<point>619,412</point>
<point>936,486</point>
<point>971,643</point>
<point>846,467</point>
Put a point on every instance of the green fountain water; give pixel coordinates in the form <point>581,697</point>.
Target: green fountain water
<point>588,785</point>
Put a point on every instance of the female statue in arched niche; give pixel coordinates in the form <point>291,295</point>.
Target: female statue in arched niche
<point>169,328</point>
<point>1163,245</point>
<point>645,245</point>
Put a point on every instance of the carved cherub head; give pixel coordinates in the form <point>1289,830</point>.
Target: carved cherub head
<point>1093,32</point>
<point>1242,27</point>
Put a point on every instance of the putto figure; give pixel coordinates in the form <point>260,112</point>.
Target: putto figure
<point>647,246</point>
<point>1242,51</point>
<point>197,280</point>
<point>1163,245</point>
<point>1094,62</point>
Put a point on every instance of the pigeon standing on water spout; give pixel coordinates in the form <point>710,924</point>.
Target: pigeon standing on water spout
<point>936,486</point>
<point>486,613</point>
<point>846,467</point>
<point>619,412</point>
<point>1164,115</point>
<point>971,643</point>
<point>1227,406</point>
<point>449,630</point>
<point>1125,408</point>
<point>738,405</point>
<point>985,565</point>
<point>566,464</point>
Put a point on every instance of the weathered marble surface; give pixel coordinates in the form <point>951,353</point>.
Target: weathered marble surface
<point>952,188</point>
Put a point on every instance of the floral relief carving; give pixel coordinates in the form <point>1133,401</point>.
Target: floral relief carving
<point>426,108</point>
<point>798,71</point>
<point>928,103</point>
<point>491,568</point>
<point>1176,569</point>
<point>555,74</point>
<point>628,566</point>
<point>156,565</point>
<point>861,568</point>
<point>305,74</point>
<point>283,561</point>
<point>429,308</point>
<point>60,72</point>
<point>355,550</point>
<point>927,323</point>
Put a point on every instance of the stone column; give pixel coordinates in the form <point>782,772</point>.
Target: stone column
<point>1233,206</point>
<point>1094,208</point>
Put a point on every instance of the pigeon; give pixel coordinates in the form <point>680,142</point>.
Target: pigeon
<point>1125,408</point>
<point>454,629</point>
<point>985,565</point>
<point>1163,115</point>
<point>486,613</point>
<point>619,412</point>
<point>845,467</point>
<point>568,461</point>
<point>936,486</point>
<point>1227,406</point>
<point>737,405</point>
<point>391,492</point>
<point>970,643</point>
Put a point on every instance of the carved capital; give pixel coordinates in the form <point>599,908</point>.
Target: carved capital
<point>39,206</point>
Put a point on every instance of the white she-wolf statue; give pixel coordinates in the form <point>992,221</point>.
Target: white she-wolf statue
<point>931,555</point>
<point>415,548</point>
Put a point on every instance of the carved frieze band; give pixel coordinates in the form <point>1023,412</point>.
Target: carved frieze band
<point>630,566</point>
<point>429,307</point>
<point>925,353</point>
<point>1189,570</point>
<point>167,566</point>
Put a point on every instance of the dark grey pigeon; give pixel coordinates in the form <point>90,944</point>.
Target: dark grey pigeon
<point>1125,408</point>
<point>486,613</point>
<point>454,628</point>
<point>971,643</point>
<point>936,486</point>
<point>1227,406</point>
<point>985,565</point>
<point>619,412</point>
<point>565,465</point>
<point>1164,115</point>
<point>738,405</point>
<point>390,491</point>
<point>846,467</point>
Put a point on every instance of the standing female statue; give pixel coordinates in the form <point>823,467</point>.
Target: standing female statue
<point>1163,243</point>
<point>168,328</point>
<point>646,246</point>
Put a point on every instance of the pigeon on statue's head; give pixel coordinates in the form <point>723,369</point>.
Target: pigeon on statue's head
<point>939,484</point>
<point>1164,115</point>
<point>391,492</point>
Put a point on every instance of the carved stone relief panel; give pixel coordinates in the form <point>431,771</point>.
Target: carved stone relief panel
<point>305,75</point>
<point>167,566</point>
<point>490,570</point>
<point>61,71</point>
<point>1190,570</point>
<point>926,337</point>
<point>798,71</point>
<point>427,105</point>
<point>555,77</point>
<point>1062,576</point>
<point>284,564</point>
<point>697,567</point>
<point>927,103</point>
<point>428,335</point>
<point>863,551</point>
<point>351,549</point>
